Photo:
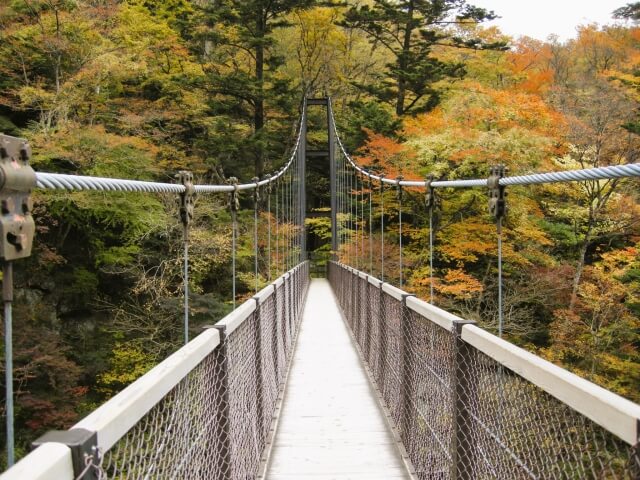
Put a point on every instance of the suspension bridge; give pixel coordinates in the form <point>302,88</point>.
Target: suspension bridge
<point>343,377</point>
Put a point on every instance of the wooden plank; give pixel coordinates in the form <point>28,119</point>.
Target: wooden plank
<point>331,425</point>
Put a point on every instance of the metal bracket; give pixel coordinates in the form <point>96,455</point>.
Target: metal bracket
<point>17,178</point>
<point>256,191</point>
<point>431,198</point>
<point>381,183</point>
<point>187,198</point>
<point>497,194</point>
<point>234,199</point>
<point>269,184</point>
<point>84,449</point>
<point>398,180</point>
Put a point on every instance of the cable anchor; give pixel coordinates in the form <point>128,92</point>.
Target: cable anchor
<point>17,178</point>
<point>497,193</point>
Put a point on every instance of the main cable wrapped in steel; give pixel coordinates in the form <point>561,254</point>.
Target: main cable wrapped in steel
<point>598,173</point>
<point>61,181</point>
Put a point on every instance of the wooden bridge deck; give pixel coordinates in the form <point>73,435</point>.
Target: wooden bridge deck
<point>331,426</point>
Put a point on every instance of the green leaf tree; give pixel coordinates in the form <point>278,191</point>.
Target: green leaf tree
<point>409,30</point>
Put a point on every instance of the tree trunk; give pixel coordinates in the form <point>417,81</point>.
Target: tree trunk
<point>580,266</point>
<point>258,115</point>
<point>402,61</point>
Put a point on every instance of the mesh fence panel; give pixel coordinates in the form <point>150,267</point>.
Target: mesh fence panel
<point>510,428</point>
<point>461,414</point>
<point>215,423</point>
<point>176,438</point>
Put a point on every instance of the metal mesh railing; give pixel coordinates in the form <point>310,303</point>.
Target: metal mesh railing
<point>215,424</point>
<point>207,412</point>
<point>459,412</point>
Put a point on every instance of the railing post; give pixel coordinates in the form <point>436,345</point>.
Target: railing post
<point>464,389</point>
<point>222,412</point>
<point>274,335</point>
<point>407,384</point>
<point>83,444</point>
<point>258,364</point>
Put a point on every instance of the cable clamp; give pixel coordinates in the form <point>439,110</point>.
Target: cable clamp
<point>497,194</point>
<point>234,198</point>
<point>398,180</point>
<point>256,191</point>
<point>431,198</point>
<point>17,178</point>
<point>187,198</point>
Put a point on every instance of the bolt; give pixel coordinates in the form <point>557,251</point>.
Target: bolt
<point>7,206</point>
<point>27,206</point>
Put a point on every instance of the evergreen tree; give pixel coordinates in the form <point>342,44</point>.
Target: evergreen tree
<point>410,29</point>
<point>242,70</point>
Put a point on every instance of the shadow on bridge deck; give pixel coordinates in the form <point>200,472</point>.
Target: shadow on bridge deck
<point>331,425</point>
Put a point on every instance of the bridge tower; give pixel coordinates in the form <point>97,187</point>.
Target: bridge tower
<point>325,155</point>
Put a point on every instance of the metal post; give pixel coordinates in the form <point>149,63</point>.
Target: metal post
<point>431,201</point>
<point>399,179</point>
<point>187,205</point>
<point>7,297</point>
<point>381,228</point>
<point>463,453</point>
<point>259,388</point>
<point>17,230</point>
<point>223,407</point>
<point>256,200</point>
<point>407,384</point>
<point>370,227</point>
<point>303,180</point>
<point>498,208</point>
<point>332,176</point>
<point>269,189</point>
<point>234,205</point>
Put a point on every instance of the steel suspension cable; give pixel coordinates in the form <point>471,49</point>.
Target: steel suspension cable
<point>596,173</point>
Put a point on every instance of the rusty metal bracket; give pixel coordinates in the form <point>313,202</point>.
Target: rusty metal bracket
<point>431,198</point>
<point>234,198</point>
<point>497,194</point>
<point>256,191</point>
<point>398,180</point>
<point>187,198</point>
<point>17,178</point>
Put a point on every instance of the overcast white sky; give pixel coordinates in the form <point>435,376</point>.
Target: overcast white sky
<point>541,18</point>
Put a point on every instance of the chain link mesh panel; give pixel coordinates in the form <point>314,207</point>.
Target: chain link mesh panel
<point>461,414</point>
<point>215,423</point>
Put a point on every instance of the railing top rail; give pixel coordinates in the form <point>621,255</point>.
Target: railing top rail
<point>612,412</point>
<point>116,417</point>
<point>112,420</point>
<point>47,462</point>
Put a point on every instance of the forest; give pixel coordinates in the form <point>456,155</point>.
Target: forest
<point>142,89</point>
